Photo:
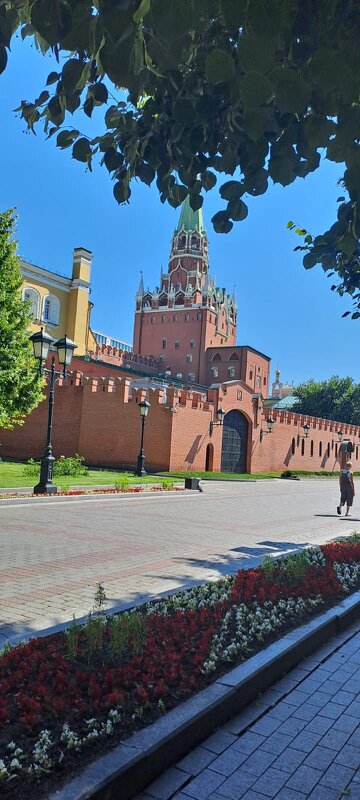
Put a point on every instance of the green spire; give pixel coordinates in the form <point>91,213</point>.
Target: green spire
<point>190,220</point>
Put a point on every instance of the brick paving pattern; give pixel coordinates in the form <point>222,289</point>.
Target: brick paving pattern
<point>304,746</point>
<point>54,554</point>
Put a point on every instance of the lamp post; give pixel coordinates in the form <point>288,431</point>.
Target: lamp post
<point>306,429</point>
<point>270,424</point>
<point>144,410</point>
<point>340,437</point>
<point>220,416</point>
<point>65,347</point>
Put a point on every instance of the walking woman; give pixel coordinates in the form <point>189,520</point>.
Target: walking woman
<point>347,490</point>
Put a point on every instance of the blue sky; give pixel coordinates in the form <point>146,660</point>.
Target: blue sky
<point>284,311</point>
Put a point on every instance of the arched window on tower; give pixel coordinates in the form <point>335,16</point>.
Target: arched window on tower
<point>216,357</point>
<point>182,242</point>
<point>187,317</point>
<point>51,309</point>
<point>33,297</point>
<point>194,242</point>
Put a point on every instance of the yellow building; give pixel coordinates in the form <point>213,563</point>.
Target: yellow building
<point>59,304</point>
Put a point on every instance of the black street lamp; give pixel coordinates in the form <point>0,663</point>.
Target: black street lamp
<point>270,424</point>
<point>144,409</point>
<point>65,347</point>
<point>220,415</point>
<point>306,429</point>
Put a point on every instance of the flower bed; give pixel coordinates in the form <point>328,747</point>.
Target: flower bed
<point>75,492</point>
<point>66,697</point>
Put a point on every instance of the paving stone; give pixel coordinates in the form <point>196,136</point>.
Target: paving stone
<point>337,777</point>
<point>238,724</point>
<point>344,698</point>
<point>346,723</point>
<point>355,738</point>
<point>285,684</point>
<point>276,743</point>
<point>168,783</point>
<point>290,794</point>
<point>248,742</point>
<point>304,779</point>
<point>282,711</point>
<point>319,725</point>
<point>251,795</point>
<point>228,761</point>
<point>320,757</point>
<point>318,699</point>
<point>258,762</point>
<point>306,712</point>
<point>354,791</point>
<point>297,698</point>
<point>196,760</point>
<point>237,785</point>
<point>354,709</point>
<point>270,782</point>
<point>219,741</point>
<point>306,741</point>
<point>323,793</point>
<point>335,739</point>
<point>204,784</point>
<point>292,726</point>
<point>349,756</point>
<point>266,725</point>
<point>289,760</point>
<point>330,687</point>
<point>331,710</point>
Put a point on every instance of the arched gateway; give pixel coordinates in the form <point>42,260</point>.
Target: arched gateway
<point>234,442</point>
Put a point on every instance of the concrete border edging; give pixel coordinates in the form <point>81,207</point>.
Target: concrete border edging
<point>129,768</point>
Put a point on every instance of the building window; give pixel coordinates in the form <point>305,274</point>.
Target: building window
<point>189,358</point>
<point>258,381</point>
<point>231,372</point>
<point>51,309</point>
<point>357,452</point>
<point>198,315</point>
<point>177,345</point>
<point>152,318</point>
<point>214,372</point>
<point>328,450</point>
<point>191,376</point>
<point>320,449</point>
<point>192,343</point>
<point>187,317</point>
<point>336,450</point>
<point>164,344</point>
<point>33,297</point>
<point>161,358</point>
<point>264,381</point>
<point>174,317</point>
<point>250,375</point>
<point>312,447</point>
<point>293,447</point>
<point>163,318</point>
<point>302,447</point>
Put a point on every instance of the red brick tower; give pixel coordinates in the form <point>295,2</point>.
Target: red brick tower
<point>186,314</point>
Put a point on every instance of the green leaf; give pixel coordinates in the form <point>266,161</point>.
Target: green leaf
<point>52,19</point>
<point>71,74</point>
<point>146,173</point>
<point>255,89</point>
<point>196,201</point>
<point>309,260</point>
<point>81,150</point>
<point>219,67</point>
<point>121,192</point>
<point>237,210</point>
<point>112,159</point>
<point>293,94</point>
<point>231,190</point>
<point>66,138</point>
<point>221,222</point>
<point>177,195</point>
<point>56,112</point>
<point>52,78</point>
<point>256,53</point>
<point>290,225</point>
<point>3,58</point>
<point>5,27</point>
<point>143,9</point>
<point>99,93</point>
<point>208,180</point>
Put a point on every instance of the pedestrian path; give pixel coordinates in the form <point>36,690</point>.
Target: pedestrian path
<point>300,741</point>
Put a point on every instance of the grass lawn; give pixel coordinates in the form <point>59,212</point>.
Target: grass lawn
<point>221,476</point>
<point>11,475</point>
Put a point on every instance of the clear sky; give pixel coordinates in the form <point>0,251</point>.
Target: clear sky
<point>284,311</point>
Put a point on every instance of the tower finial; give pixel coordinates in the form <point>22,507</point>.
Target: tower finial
<point>140,291</point>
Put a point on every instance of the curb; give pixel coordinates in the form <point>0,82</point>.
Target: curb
<point>132,766</point>
<point>91,497</point>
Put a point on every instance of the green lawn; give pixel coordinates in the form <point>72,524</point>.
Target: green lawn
<point>11,475</point>
<point>221,476</point>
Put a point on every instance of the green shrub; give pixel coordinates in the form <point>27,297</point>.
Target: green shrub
<point>123,482</point>
<point>167,484</point>
<point>71,465</point>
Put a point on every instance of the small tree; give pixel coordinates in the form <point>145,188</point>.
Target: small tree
<point>20,383</point>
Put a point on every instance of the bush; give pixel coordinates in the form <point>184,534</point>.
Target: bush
<point>72,465</point>
<point>123,482</point>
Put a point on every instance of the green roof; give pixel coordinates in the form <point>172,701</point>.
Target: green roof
<point>190,220</point>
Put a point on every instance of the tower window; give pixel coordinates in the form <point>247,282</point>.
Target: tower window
<point>174,317</point>
<point>250,375</point>
<point>264,381</point>
<point>214,372</point>
<point>161,358</point>
<point>189,358</point>
<point>177,345</point>
<point>191,376</point>
<point>198,315</point>
<point>163,318</point>
<point>164,344</point>
<point>192,343</point>
<point>187,317</point>
<point>231,372</point>
<point>152,319</point>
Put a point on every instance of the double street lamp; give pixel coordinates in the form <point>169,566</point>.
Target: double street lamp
<point>65,347</point>
<point>144,410</point>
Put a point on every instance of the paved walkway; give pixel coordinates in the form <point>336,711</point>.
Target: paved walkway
<point>53,553</point>
<point>305,747</point>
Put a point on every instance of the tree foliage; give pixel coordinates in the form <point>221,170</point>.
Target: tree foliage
<point>20,384</point>
<point>336,398</point>
<point>255,89</point>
